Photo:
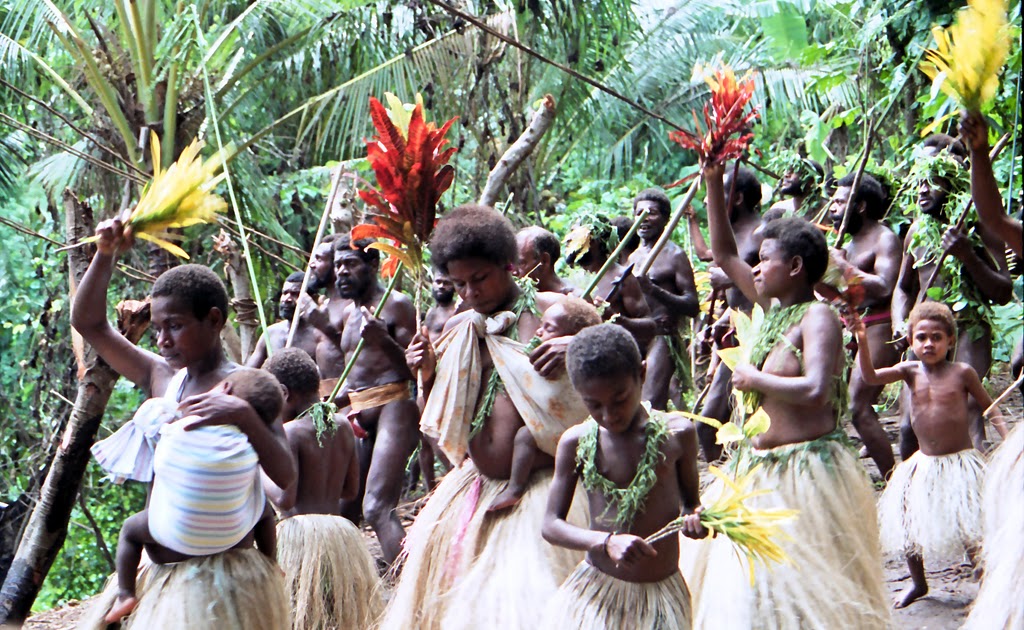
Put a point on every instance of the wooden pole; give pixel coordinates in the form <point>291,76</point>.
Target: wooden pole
<point>673,222</point>
<point>614,256</point>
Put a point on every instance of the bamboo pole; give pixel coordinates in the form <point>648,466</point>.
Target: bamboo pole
<point>614,256</point>
<point>869,136</point>
<point>211,106</point>
<point>1006,394</point>
<point>312,253</point>
<point>673,222</point>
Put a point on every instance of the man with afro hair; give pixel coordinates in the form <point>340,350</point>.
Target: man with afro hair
<point>872,260</point>
<point>466,568</point>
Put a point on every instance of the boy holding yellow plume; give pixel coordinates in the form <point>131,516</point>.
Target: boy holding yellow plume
<point>639,467</point>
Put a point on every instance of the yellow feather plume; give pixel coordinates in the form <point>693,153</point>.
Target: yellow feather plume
<point>970,54</point>
<point>753,531</point>
<point>179,196</point>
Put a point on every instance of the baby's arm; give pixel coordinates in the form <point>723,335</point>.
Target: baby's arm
<point>977,390</point>
<point>283,498</point>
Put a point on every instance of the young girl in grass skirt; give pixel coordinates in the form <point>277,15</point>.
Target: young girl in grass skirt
<point>793,371</point>
<point>328,572</point>
<point>999,599</point>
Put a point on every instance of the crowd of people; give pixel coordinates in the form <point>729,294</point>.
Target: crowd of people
<point>549,415</point>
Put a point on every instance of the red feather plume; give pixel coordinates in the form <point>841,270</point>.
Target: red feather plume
<point>412,173</point>
<point>725,133</point>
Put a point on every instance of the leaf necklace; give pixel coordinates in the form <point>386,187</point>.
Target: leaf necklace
<point>628,501</point>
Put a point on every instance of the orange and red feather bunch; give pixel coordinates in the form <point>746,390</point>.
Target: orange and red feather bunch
<point>725,134</point>
<point>412,173</point>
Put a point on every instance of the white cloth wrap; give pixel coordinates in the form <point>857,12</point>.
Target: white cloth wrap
<point>207,494</point>
<point>547,406</point>
<point>128,452</point>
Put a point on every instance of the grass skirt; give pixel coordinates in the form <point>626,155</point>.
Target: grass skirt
<point>465,568</point>
<point>999,602</point>
<point>834,577</point>
<point>932,505</point>
<point>330,575</point>
<point>239,589</point>
<point>597,601</point>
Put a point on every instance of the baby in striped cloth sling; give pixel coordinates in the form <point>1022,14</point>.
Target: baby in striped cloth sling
<point>207,495</point>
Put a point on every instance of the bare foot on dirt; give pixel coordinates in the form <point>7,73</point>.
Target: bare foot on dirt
<point>909,595</point>
<point>122,607</point>
<point>505,500</point>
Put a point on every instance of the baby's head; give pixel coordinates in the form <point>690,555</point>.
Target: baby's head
<point>567,316</point>
<point>932,331</point>
<point>298,375</point>
<point>258,388</point>
<point>605,367</point>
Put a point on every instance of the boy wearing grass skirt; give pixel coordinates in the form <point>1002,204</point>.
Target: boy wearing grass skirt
<point>329,573</point>
<point>932,504</point>
<point>639,467</point>
<point>463,566</point>
<point>834,577</point>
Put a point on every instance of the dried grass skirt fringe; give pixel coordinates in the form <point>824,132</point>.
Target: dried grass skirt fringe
<point>834,579</point>
<point>999,603</point>
<point>932,505</point>
<point>597,601</point>
<point>330,575</point>
<point>506,572</point>
<point>234,590</point>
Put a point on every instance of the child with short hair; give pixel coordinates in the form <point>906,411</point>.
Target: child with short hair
<point>329,573</point>
<point>207,494</point>
<point>639,469</point>
<point>566,317</point>
<point>933,501</point>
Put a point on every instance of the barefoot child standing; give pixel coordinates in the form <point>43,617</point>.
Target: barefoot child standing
<point>933,502</point>
<point>639,468</point>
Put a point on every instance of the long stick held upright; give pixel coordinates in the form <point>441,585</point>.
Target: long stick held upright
<point>312,253</point>
<point>614,256</point>
<point>673,222</point>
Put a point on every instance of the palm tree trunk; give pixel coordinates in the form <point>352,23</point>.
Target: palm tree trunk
<point>48,525</point>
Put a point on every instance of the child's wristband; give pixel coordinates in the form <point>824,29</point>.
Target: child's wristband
<point>605,544</point>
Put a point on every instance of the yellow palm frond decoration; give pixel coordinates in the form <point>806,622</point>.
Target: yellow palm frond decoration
<point>177,197</point>
<point>754,532</point>
<point>970,54</point>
